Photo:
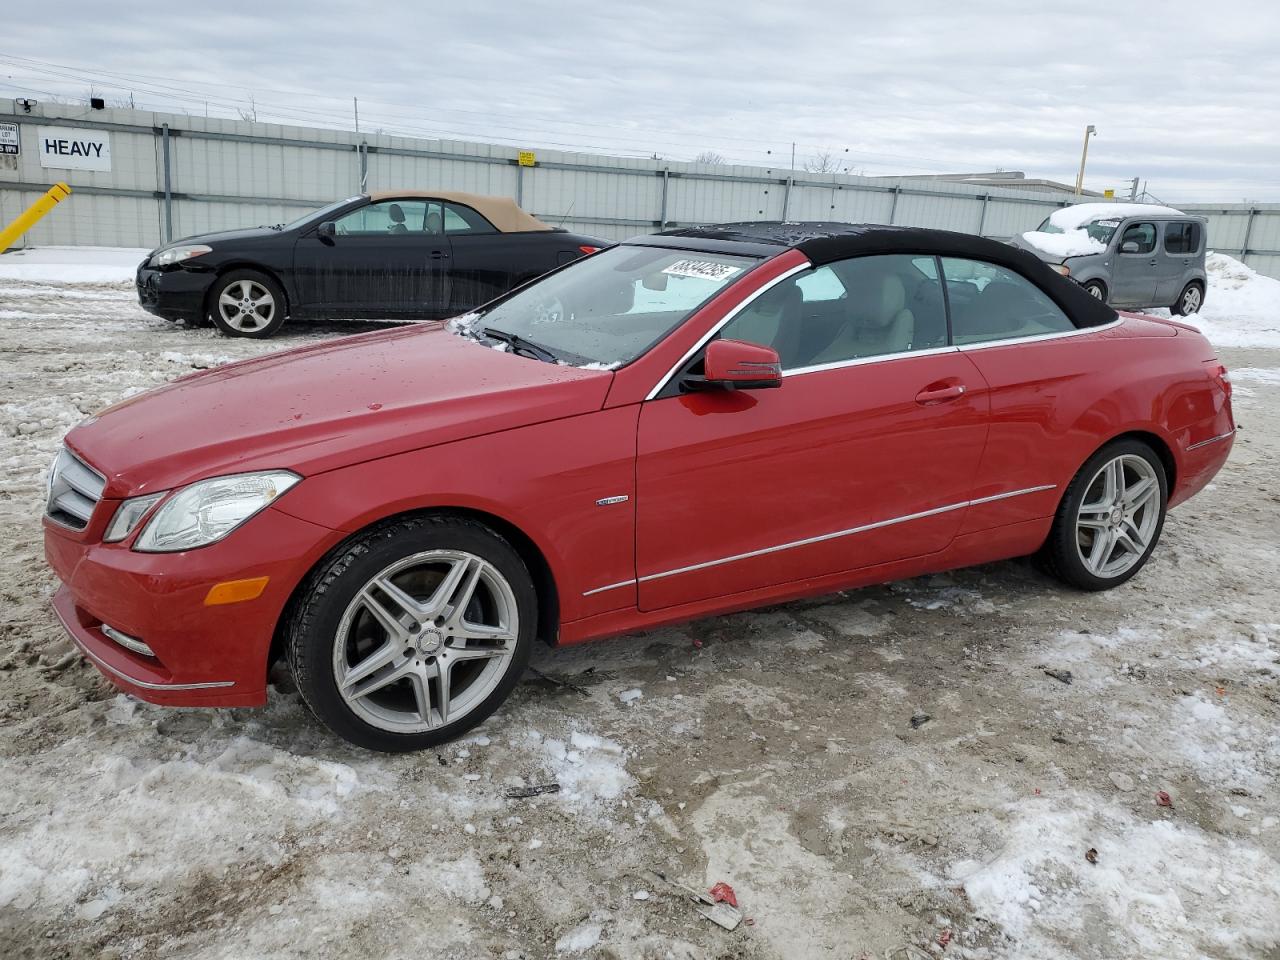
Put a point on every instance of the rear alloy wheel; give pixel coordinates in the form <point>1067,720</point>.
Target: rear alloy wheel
<point>245,303</point>
<point>1189,302</point>
<point>1096,290</point>
<point>414,634</point>
<point>1110,519</point>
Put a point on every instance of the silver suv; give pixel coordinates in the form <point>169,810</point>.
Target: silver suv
<point>1132,255</point>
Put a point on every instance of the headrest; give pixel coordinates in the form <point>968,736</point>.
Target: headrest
<point>397,215</point>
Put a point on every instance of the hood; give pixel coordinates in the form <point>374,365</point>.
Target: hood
<point>246,233</point>
<point>325,406</point>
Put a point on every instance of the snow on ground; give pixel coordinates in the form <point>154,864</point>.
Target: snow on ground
<point>72,264</point>
<point>774,750</point>
<point>1241,307</point>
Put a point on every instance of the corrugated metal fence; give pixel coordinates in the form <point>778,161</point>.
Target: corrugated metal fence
<point>174,175</point>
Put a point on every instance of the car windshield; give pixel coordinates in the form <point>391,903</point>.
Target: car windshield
<point>1100,230</point>
<point>608,308</point>
<point>318,214</point>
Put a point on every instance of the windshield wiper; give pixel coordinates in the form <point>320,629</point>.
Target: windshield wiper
<point>519,344</point>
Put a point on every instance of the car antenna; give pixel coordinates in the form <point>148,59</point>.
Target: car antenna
<point>567,212</point>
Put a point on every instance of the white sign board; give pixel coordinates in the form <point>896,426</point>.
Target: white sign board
<point>72,148</point>
<point>9,143</point>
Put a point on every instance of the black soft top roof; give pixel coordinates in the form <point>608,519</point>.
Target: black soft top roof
<point>824,242</point>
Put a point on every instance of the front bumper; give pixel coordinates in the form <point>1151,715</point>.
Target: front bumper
<point>205,656</point>
<point>175,294</point>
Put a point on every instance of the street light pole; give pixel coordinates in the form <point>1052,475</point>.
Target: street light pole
<point>1089,131</point>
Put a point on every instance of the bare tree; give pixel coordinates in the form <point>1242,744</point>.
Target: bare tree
<point>824,161</point>
<point>709,157</point>
<point>123,103</point>
<point>251,113</point>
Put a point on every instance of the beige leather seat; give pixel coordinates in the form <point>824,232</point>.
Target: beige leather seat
<point>878,323</point>
<point>773,320</point>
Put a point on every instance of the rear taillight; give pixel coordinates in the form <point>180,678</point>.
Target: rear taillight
<point>1219,374</point>
<point>586,248</point>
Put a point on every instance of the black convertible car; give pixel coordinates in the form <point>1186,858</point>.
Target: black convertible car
<point>399,254</point>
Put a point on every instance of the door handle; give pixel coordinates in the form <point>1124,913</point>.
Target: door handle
<point>439,255</point>
<point>1153,263</point>
<point>940,394</point>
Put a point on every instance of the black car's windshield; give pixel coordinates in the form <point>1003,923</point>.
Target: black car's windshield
<point>610,307</point>
<point>318,215</point>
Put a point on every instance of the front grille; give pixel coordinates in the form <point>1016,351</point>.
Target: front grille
<point>74,490</point>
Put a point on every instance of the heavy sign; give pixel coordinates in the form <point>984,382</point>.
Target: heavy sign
<point>72,148</point>
<point>9,143</point>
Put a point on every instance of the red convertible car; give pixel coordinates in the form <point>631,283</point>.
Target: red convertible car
<point>686,424</point>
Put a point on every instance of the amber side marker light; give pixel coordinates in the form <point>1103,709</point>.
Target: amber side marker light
<point>234,591</point>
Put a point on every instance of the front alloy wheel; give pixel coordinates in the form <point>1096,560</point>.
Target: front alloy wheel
<point>1110,517</point>
<point>414,632</point>
<point>246,303</point>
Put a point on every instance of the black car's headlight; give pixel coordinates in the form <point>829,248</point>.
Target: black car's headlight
<point>178,254</point>
<point>207,511</point>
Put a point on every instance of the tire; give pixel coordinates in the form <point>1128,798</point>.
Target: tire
<point>247,303</point>
<point>1096,289</point>
<point>393,670</point>
<point>1087,511</point>
<point>1189,301</point>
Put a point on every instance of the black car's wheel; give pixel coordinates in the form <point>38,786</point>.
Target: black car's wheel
<point>246,303</point>
<point>414,633</point>
<point>1096,289</point>
<point>1110,517</point>
<point>1189,301</point>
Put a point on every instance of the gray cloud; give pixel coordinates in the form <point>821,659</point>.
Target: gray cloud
<point>1186,96</point>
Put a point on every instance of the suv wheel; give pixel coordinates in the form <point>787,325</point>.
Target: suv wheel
<point>1096,290</point>
<point>414,633</point>
<point>1190,300</point>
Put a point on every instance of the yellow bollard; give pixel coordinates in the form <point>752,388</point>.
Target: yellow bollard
<point>25,220</point>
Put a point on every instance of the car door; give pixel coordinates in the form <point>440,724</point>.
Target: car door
<point>1036,365</point>
<point>1133,276</point>
<point>385,259</point>
<point>1179,252</point>
<point>866,454</point>
<point>485,263</point>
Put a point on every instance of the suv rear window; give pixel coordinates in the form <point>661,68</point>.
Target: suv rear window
<point>1182,237</point>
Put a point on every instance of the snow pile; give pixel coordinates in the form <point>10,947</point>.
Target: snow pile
<point>72,264</point>
<point>1077,215</point>
<point>1241,308</point>
<point>1158,883</point>
<point>1069,243</point>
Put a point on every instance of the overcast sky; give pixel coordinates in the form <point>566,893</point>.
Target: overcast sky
<point>1185,96</point>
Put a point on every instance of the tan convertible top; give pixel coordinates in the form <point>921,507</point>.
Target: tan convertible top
<point>502,212</point>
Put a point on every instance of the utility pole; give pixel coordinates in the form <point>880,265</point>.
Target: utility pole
<point>793,156</point>
<point>1089,131</point>
<point>355,107</point>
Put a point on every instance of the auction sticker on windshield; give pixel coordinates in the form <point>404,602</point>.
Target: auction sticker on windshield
<point>702,270</point>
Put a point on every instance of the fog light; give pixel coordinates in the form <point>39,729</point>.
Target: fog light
<point>126,641</point>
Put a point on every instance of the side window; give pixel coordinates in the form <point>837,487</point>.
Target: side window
<point>386,218</point>
<point>460,219</point>
<point>1143,234</point>
<point>991,303</point>
<point>1181,238</point>
<point>847,310</point>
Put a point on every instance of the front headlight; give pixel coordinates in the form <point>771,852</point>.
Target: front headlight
<point>1061,268</point>
<point>177,254</point>
<point>127,516</point>
<point>207,511</point>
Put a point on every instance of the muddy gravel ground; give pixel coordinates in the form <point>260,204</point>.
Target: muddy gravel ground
<point>773,750</point>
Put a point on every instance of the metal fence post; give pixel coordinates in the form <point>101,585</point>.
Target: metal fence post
<point>168,185</point>
<point>666,180</point>
<point>982,217</point>
<point>1248,232</point>
<point>786,196</point>
<point>893,209</point>
<point>519,185</point>
<point>362,151</point>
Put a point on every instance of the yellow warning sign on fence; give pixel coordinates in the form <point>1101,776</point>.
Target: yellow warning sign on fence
<point>1109,194</point>
<point>527,159</point>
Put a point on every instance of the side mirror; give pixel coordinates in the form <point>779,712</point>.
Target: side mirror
<point>1129,246</point>
<point>327,231</point>
<point>738,365</point>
